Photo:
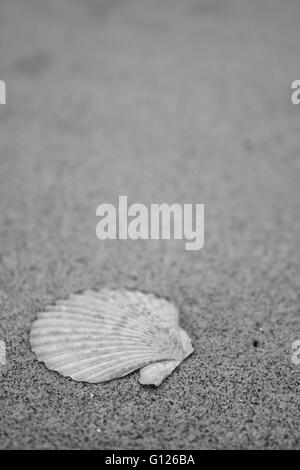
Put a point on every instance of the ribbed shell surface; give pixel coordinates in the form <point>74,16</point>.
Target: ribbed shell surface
<point>99,336</point>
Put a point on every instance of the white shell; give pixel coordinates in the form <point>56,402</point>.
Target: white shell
<point>100,336</point>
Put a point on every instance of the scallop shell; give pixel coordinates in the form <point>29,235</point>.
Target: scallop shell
<point>101,335</point>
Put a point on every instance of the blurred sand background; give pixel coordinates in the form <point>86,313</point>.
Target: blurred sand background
<point>163,101</point>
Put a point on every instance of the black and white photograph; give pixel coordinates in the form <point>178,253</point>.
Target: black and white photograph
<point>149,227</point>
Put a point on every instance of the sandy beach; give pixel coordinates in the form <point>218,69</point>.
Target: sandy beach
<point>162,101</point>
